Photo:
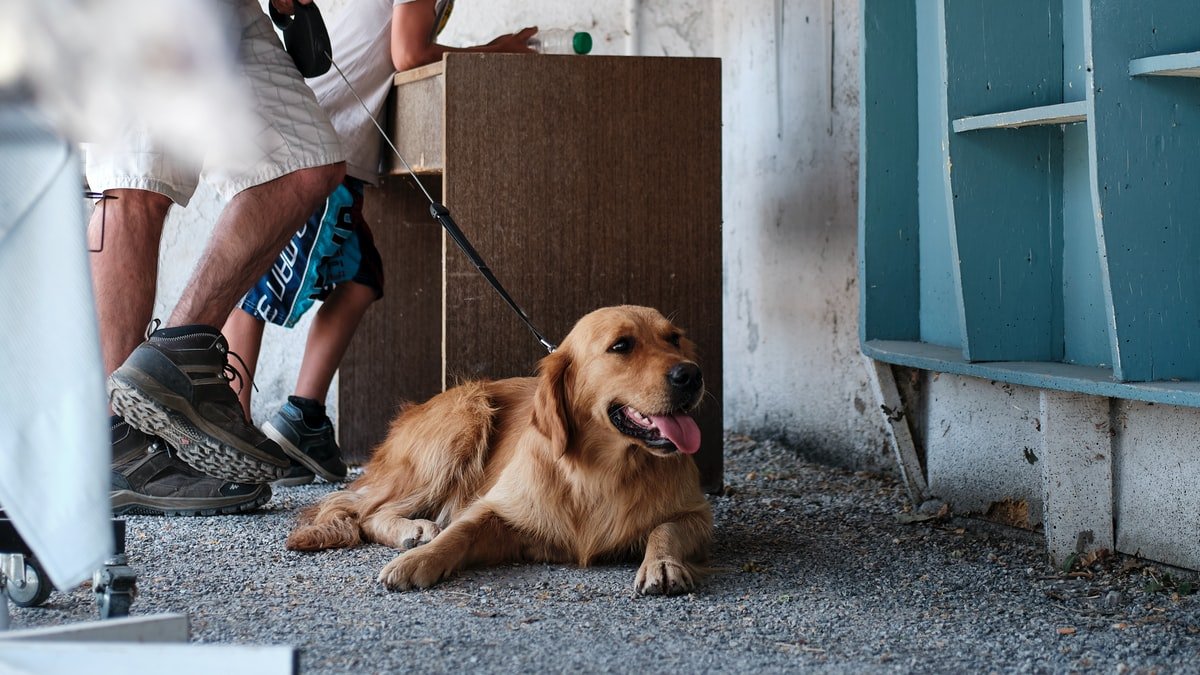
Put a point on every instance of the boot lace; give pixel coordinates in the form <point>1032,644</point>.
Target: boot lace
<point>232,374</point>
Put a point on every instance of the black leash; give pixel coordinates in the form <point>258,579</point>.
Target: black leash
<point>307,41</point>
<point>442,215</point>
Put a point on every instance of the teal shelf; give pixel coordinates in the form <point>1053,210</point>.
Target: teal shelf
<point>888,250</point>
<point>1069,245</point>
<point>1041,374</point>
<point>1060,113</point>
<point>1167,65</point>
<point>1145,168</point>
<point>1004,188</point>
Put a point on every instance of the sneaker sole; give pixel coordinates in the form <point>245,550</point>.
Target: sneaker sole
<point>295,481</point>
<point>128,503</point>
<point>187,432</point>
<point>298,454</point>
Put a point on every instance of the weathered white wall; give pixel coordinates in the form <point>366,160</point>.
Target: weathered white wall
<point>791,172</point>
<point>790,96</point>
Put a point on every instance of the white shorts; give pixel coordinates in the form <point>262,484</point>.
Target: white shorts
<point>295,132</point>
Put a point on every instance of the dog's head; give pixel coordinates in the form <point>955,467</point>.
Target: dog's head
<point>623,371</point>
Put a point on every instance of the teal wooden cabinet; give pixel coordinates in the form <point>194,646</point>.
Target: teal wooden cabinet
<point>1030,192</point>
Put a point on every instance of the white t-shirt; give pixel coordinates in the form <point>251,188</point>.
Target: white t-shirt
<point>361,37</point>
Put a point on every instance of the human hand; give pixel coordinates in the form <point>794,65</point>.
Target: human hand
<point>515,43</point>
<point>288,6</point>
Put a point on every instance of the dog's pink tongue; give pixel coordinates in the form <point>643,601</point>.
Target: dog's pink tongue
<point>680,430</point>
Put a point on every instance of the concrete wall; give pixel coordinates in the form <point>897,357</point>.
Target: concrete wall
<point>790,143</point>
<point>1155,491</point>
<point>791,172</point>
<point>790,116</point>
<point>981,440</point>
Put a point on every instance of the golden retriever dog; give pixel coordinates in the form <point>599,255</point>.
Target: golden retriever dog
<point>586,462</point>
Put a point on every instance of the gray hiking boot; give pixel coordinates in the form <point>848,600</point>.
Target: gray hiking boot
<point>313,447</point>
<point>147,480</point>
<point>176,385</point>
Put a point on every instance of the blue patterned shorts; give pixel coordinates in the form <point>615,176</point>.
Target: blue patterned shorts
<point>333,247</point>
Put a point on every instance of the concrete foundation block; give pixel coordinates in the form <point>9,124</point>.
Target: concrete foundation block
<point>1077,473</point>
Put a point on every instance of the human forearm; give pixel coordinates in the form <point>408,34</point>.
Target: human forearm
<point>413,58</point>
<point>412,37</point>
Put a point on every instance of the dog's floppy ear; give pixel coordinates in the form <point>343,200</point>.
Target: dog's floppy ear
<point>551,406</point>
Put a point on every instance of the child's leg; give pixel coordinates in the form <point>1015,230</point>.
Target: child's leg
<point>329,336</point>
<point>244,333</point>
<point>301,426</point>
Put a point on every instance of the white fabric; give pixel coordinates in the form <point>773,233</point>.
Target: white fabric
<point>361,37</point>
<point>294,133</point>
<point>54,436</point>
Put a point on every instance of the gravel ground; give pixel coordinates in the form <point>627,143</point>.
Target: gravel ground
<point>817,569</point>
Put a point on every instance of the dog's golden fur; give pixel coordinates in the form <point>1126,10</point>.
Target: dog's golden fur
<point>535,469</point>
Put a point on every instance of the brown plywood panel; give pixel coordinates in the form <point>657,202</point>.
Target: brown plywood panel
<point>583,182</point>
<point>395,355</point>
<point>414,113</point>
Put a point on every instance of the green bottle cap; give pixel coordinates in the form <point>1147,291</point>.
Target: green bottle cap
<point>582,43</point>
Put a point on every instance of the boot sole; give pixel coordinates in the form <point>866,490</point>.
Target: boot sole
<point>299,455</point>
<point>295,481</point>
<point>186,431</point>
<point>129,503</point>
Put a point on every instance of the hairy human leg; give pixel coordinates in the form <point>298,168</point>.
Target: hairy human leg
<point>125,271</point>
<point>250,233</point>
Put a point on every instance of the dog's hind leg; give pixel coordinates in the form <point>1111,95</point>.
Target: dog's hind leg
<point>390,527</point>
<point>333,523</point>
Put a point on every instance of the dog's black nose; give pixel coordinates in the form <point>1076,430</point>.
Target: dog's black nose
<point>685,377</point>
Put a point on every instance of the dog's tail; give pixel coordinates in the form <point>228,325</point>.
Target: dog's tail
<point>333,523</point>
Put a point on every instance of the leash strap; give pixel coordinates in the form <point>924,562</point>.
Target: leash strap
<point>442,215</point>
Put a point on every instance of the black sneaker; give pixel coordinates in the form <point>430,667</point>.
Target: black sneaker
<point>297,475</point>
<point>314,448</point>
<point>147,480</point>
<point>175,385</point>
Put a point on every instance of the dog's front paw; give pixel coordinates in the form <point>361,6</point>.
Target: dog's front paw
<point>414,569</point>
<point>663,577</point>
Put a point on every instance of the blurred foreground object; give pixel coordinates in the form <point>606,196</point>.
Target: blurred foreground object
<point>98,67</point>
<point>89,71</point>
<point>54,443</point>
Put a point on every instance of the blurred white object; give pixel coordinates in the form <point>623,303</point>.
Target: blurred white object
<point>98,66</point>
<point>54,434</point>
<point>12,46</point>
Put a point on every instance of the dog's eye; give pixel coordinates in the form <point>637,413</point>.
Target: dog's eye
<point>674,339</point>
<point>622,345</point>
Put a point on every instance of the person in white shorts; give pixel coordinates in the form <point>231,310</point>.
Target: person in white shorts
<point>332,257</point>
<point>173,389</point>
